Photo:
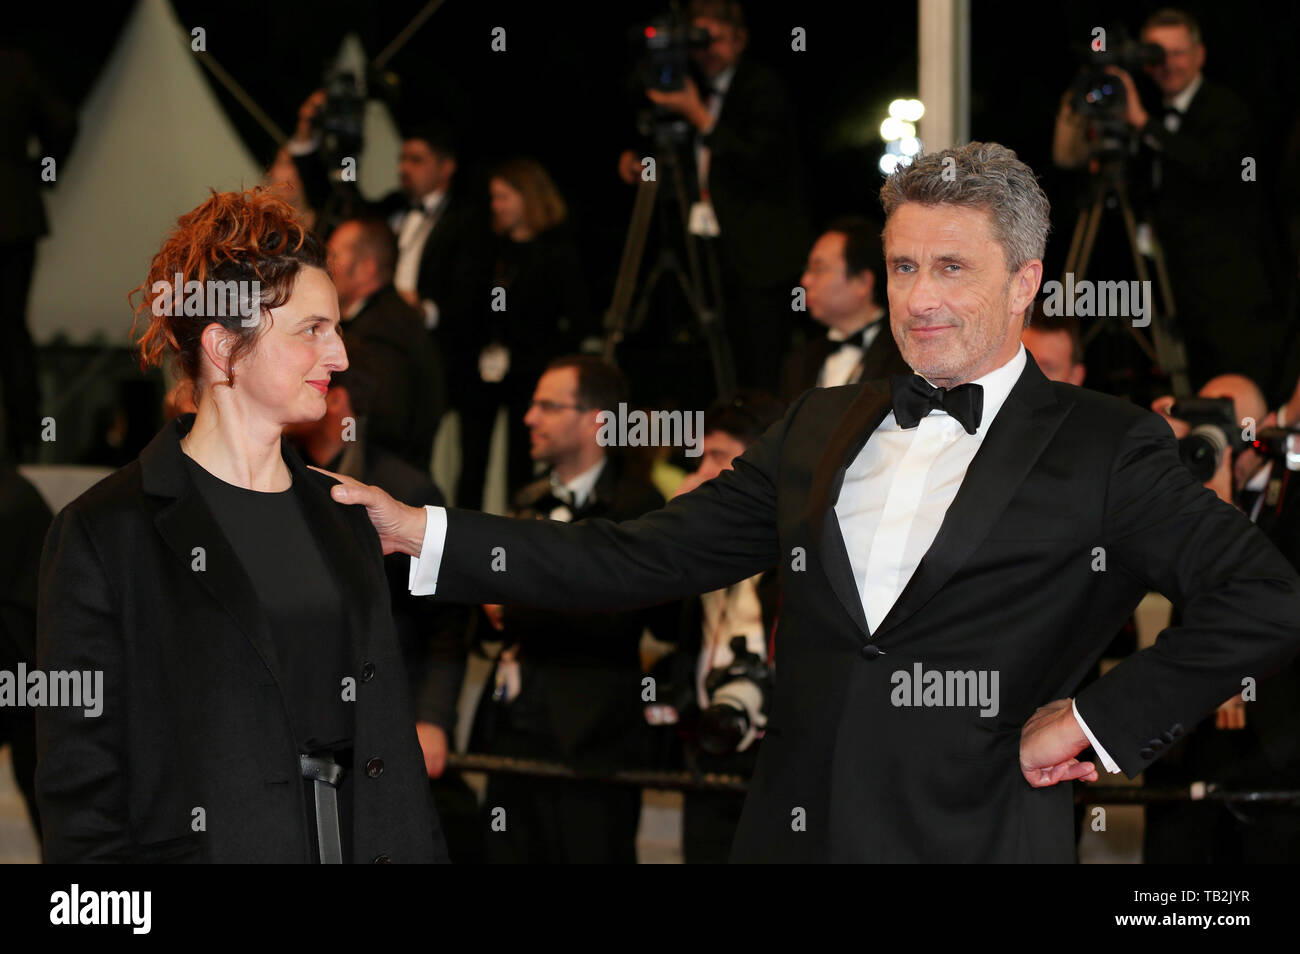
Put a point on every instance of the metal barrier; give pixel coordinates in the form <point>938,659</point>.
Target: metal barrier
<point>712,782</point>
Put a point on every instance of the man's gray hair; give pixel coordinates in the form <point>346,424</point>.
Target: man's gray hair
<point>981,175</point>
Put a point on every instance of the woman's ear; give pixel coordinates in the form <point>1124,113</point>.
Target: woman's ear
<point>217,344</point>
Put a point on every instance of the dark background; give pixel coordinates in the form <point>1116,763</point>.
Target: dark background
<point>560,91</point>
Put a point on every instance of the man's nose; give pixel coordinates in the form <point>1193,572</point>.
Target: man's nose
<point>923,295</point>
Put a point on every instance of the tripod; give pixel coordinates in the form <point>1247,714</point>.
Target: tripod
<point>627,309</point>
<point>1165,349</point>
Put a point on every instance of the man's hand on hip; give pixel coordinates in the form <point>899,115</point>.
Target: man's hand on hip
<point>1049,742</point>
<point>400,528</point>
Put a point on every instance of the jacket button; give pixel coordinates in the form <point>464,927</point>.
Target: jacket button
<point>871,651</point>
<point>1176,730</point>
<point>1156,744</point>
<point>1168,737</point>
<point>382,860</point>
<point>375,767</point>
<point>1145,753</point>
<point>367,672</point>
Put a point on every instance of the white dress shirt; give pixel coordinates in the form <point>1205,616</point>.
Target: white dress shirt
<point>892,502</point>
<point>413,230</point>
<point>843,366</point>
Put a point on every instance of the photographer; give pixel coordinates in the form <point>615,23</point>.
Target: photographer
<point>1255,746</point>
<point>745,151</point>
<point>1209,216</point>
<point>721,686</point>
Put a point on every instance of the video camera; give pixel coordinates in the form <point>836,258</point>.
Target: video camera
<point>1099,97</point>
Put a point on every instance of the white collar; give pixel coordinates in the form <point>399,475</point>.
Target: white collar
<point>1184,99</point>
<point>722,82</point>
<point>433,199</point>
<point>834,334</point>
<point>582,485</point>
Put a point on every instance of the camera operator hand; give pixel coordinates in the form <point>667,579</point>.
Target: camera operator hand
<point>307,114</point>
<point>629,167</point>
<point>687,102</point>
<point>1136,115</point>
<point>1221,482</point>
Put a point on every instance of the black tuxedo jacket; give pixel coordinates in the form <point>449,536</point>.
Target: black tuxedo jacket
<point>801,367</point>
<point>410,387</point>
<point>755,182</point>
<point>582,670</point>
<point>1013,584</point>
<point>193,716</point>
<point>455,272</point>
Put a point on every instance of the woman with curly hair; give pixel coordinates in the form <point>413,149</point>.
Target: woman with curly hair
<point>254,707</point>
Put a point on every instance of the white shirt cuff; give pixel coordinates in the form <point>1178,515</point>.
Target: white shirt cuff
<point>423,580</point>
<point>430,314</point>
<point>1106,760</point>
<point>296,147</point>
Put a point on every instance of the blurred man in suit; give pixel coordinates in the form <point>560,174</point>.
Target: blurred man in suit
<point>841,280</point>
<point>1206,207</point>
<point>748,172</point>
<point>412,390</point>
<point>567,684</point>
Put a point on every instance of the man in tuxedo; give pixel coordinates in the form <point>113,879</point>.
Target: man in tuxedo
<point>411,389</point>
<point>745,148</point>
<point>940,603</point>
<point>840,282</point>
<point>567,684</point>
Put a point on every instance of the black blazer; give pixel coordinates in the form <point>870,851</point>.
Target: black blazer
<point>801,368</point>
<point>410,388</point>
<point>455,271</point>
<point>755,179</point>
<point>1008,586</point>
<point>582,670</point>
<point>193,716</point>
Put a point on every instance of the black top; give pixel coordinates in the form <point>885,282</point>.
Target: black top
<point>300,598</point>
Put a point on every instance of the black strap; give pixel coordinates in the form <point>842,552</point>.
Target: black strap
<point>325,775</point>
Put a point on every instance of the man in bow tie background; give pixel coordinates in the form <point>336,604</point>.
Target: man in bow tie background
<point>926,559</point>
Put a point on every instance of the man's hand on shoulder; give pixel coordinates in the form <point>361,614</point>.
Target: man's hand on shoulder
<point>400,528</point>
<point>1049,742</point>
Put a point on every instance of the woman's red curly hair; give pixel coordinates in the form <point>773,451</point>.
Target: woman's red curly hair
<point>240,236</point>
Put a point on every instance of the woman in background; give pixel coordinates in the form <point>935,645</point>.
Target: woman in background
<point>541,312</point>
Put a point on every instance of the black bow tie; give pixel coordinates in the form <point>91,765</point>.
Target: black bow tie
<point>914,397</point>
<point>856,340</point>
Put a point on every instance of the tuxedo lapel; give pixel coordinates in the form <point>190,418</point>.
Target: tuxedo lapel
<point>857,424</point>
<point>1024,426</point>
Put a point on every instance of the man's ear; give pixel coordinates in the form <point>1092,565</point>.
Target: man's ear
<point>1024,285</point>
